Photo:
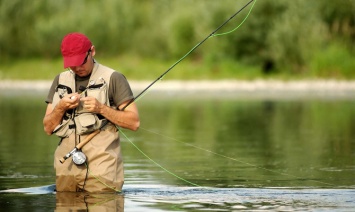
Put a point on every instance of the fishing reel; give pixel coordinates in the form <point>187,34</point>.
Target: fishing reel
<point>79,158</point>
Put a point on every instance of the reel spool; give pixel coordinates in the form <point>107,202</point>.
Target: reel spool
<point>79,158</point>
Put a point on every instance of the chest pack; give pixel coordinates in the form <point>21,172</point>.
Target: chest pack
<point>80,120</point>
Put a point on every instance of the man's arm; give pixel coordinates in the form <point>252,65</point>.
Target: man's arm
<point>129,118</point>
<point>54,116</point>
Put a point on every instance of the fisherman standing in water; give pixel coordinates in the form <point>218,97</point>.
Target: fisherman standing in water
<point>79,102</point>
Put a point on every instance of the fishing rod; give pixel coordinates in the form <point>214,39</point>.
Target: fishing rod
<point>169,69</point>
<point>76,151</point>
<point>79,157</point>
<point>193,49</point>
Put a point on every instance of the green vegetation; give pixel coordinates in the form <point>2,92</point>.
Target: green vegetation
<point>143,38</point>
<point>138,68</point>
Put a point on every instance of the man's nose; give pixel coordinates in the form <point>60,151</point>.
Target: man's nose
<point>76,68</point>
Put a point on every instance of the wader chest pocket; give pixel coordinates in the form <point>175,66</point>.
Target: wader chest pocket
<point>64,130</point>
<point>86,123</point>
<point>99,91</point>
<point>63,90</point>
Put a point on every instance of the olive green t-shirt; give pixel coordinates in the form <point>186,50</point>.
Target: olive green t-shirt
<point>119,89</point>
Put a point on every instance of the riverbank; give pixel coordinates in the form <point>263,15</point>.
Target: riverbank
<point>272,87</point>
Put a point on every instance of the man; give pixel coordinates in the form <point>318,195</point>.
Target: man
<point>85,98</point>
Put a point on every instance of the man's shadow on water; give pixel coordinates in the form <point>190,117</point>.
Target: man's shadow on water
<point>82,201</point>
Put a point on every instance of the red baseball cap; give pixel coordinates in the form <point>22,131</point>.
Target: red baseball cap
<point>75,47</point>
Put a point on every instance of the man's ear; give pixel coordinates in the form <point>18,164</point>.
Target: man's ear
<point>93,51</point>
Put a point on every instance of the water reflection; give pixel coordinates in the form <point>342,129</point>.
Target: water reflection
<point>267,143</point>
<point>269,139</point>
<point>79,201</point>
<point>162,198</point>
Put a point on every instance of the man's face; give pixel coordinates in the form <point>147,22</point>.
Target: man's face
<point>86,67</point>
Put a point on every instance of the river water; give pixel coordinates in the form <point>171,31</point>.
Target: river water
<point>197,151</point>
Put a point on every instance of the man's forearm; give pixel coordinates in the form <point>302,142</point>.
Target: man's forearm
<point>126,119</point>
<point>52,120</point>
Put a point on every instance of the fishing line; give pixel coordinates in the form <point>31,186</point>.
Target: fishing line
<point>153,161</point>
<point>231,158</point>
<point>102,182</point>
<point>225,33</point>
<point>105,200</point>
<point>213,34</point>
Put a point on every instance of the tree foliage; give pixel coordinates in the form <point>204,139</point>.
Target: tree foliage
<point>278,34</point>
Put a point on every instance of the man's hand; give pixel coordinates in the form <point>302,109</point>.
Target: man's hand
<point>70,101</point>
<point>91,104</point>
<point>54,116</point>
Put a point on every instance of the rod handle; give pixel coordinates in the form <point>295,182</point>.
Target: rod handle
<point>62,160</point>
<point>87,139</point>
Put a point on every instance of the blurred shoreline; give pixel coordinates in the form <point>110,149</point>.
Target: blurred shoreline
<point>333,88</point>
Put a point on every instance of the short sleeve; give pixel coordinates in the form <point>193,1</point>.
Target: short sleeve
<point>119,89</point>
<point>52,90</point>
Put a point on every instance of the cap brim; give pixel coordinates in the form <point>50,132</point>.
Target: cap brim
<point>76,60</point>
